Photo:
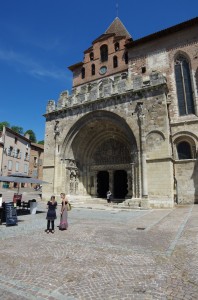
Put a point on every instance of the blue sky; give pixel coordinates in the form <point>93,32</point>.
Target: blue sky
<point>39,39</point>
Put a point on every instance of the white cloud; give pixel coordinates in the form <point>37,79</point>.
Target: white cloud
<point>27,65</point>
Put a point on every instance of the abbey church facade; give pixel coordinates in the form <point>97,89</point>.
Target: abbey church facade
<point>130,123</point>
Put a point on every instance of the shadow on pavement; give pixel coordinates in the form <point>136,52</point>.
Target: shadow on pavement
<point>24,212</point>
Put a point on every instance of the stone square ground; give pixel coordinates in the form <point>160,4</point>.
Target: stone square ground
<point>106,253</point>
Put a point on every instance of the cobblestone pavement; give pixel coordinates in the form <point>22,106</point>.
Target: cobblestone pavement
<point>104,254</point>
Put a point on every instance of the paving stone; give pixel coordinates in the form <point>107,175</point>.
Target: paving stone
<point>102,255</point>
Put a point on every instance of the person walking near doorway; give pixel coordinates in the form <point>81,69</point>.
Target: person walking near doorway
<point>109,197</point>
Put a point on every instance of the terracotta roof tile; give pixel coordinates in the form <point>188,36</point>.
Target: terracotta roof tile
<point>118,28</point>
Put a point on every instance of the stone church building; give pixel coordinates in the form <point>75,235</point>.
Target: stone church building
<point>130,123</point>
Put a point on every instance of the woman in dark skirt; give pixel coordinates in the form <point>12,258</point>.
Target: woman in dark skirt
<point>51,214</point>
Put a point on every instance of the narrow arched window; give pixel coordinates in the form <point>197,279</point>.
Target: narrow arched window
<point>93,69</point>
<point>91,55</point>
<point>126,58</point>
<point>117,46</point>
<point>184,150</point>
<point>184,86</point>
<point>83,73</point>
<point>115,61</point>
<point>104,53</point>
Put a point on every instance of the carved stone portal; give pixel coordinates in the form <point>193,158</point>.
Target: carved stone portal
<point>74,180</point>
<point>111,152</point>
<point>73,177</point>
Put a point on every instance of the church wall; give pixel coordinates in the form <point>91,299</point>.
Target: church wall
<point>145,98</point>
<point>155,129</point>
<point>158,153</point>
<point>160,55</point>
<point>186,173</point>
<point>48,161</point>
<point>160,183</point>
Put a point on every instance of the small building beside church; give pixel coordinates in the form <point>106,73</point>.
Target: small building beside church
<point>130,123</point>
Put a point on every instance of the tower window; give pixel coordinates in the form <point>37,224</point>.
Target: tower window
<point>93,69</point>
<point>126,58</point>
<point>143,70</point>
<point>83,73</point>
<point>115,61</point>
<point>184,86</point>
<point>117,46</point>
<point>91,55</point>
<point>104,53</point>
<point>184,150</point>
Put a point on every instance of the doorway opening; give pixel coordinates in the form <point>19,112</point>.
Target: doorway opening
<point>120,184</point>
<point>102,183</point>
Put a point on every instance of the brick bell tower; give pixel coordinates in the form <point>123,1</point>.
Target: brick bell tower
<point>106,56</point>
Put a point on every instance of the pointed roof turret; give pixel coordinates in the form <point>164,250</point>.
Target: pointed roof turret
<point>118,28</point>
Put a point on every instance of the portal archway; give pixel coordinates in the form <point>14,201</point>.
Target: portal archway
<point>100,145</point>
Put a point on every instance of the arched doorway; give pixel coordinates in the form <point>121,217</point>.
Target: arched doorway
<point>120,184</point>
<point>106,145</point>
<point>102,183</point>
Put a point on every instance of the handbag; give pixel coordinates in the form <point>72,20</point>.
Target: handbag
<point>69,207</point>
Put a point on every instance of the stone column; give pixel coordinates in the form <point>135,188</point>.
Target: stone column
<point>88,181</point>
<point>143,153</point>
<point>85,180</point>
<point>132,181</point>
<point>111,181</point>
<point>56,134</point>
<point>129,183</point>
<point>135,201</point>
<point>95,183</point>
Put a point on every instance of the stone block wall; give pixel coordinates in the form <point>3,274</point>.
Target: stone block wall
<point>160,183</point>
<point>186,173</point>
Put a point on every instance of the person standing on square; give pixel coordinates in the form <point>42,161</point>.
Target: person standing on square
<point>51,214</point>
<point>63,219</point>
